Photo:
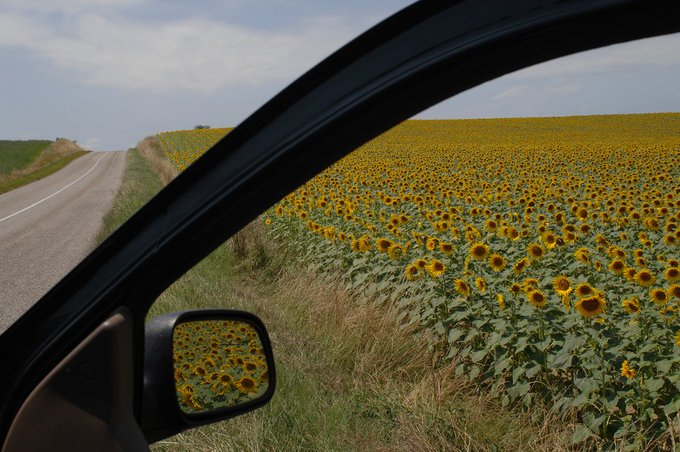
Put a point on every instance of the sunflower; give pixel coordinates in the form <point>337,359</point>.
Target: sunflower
<point>582,255</point>
<point>432,243</point>
<point>496,262</point>
<point>674,291</point>
<point>617,266</point>
<point>645,278</point>
<point>562,285</point>
<point>411,272</point>
<point>590,306</point>
<point>446,248</point>
<point>629,273</point>
<point>631,305</point>
<point>529,284</point>
<point>501,301</point>
<point>550,240</point>
<point>395,251</point>
<point>462,287</point>
<point>672,274</point>
<point>627,371</point>
<point>584,290</point>
<point>677,338</point>
<point>435,268</point>
<point>512,233</point>
<point>536,298</point>
<point>659,296</point>
<point>420,263</point>
<point>535,251</point>
<point>246,385</point>
<point>520,265</point>
<point>383,244</point>
<point>481,284</point>
<point>515,288</point>
<point>479,251</point>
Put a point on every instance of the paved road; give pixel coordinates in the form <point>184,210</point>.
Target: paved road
<point>47,227</point>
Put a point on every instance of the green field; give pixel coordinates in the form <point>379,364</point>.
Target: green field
<point>15,155</point>
<point>23,162</point>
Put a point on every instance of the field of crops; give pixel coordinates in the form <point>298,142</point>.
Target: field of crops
<point>543,251</point>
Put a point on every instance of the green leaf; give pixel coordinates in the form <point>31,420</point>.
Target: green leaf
<point>592,421</point>
<point>562,361</point>
<point>533,371</point>
<point>517,373</point>
<point>454,335</point>
<point>474,372</point>
<point>654,384</point>
<point>664,366</point>
<point>672,407</point>
<point>581,434</point>
<point>478,356</point>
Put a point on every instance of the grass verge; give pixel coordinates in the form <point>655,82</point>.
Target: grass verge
<point>348,377</point>
<point>37,163</point>
<point>140,184</point>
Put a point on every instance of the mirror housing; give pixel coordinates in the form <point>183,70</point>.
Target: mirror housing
<point>163,414</point>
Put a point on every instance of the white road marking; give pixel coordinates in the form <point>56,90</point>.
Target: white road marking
<point>55,193</point>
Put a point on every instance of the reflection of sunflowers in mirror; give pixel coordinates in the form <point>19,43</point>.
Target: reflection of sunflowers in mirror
<point>218,364</point>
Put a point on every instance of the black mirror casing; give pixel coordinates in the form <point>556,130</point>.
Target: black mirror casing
<point>161,415</point>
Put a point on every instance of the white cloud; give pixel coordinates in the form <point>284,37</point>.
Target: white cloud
<point>563,89</point>
<point>662,51</point>
<point>91,144</point>
<point>191,54</point>
<point>512,92</point>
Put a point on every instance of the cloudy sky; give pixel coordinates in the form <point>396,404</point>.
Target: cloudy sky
<point>107,73</point>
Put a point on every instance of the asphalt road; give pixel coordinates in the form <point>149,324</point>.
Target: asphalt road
<point>47,227</point>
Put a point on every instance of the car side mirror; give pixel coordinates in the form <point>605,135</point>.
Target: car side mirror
<point>202,367</point>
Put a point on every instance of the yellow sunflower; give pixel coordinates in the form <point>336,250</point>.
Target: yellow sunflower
<point>496,262</point>
<point>631,305</point>
<point>590,306</point>
<point>582,255</point>
<point>501,301</point>
<point>446,248</point>
<point>462,287</point>
<point>435,268</point>
<point>617,266</point>
<point>536,298</point>
<point>520,265</point>
<point>481,284</point>
<point>645,278</point>
<point>535,251</point>
<point>674,291</point>
<point>246,385</point>
<point>659,296</point>
<point>627,371</point>
<point>515,288</point>
<point>479,251</point>
<point>411,272</point>
<point>383,244</point>
<point>562,285</point>
<point>672,274</point>
<point>584,290</point>
<point>629,273</point>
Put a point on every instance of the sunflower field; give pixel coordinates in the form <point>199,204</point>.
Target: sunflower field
<point>185,146</point>
<point>218,364</point>
<point>542,251</point>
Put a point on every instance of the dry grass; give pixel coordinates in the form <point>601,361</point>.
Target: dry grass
<point>151,150</point>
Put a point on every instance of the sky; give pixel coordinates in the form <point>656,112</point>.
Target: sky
<point>108,73</point>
